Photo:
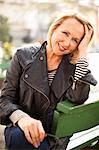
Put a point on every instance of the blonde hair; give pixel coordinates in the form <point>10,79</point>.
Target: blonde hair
<point>75,54</point>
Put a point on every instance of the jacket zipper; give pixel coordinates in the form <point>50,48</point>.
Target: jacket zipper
<point>84,82</point>
<point>39,92</point>
<point>80,80</point>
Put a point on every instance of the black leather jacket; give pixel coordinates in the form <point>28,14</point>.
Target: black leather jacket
<point>26,85</point>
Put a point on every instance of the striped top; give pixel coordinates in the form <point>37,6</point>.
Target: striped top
<point>51,75</point>
<point>81,69</point>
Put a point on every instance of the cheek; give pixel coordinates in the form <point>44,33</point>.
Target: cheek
<point>57,37</point>
<point>54,37</point>
<point>74,45</point>
<point>54,40</point>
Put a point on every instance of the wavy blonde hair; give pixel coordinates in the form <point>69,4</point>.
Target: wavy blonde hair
<point>75,54</point>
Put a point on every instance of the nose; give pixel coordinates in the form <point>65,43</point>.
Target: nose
<point>67,42</point>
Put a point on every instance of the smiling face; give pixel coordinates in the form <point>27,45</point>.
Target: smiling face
<point>67,36</point>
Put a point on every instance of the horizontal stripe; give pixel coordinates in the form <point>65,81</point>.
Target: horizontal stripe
<point>51,76</point>
<point>81,69</point>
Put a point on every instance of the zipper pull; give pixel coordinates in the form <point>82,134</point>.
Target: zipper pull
<point>51,135</point>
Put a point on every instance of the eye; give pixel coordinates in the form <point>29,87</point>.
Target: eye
<point>75,40</point>
<point>66,33</point>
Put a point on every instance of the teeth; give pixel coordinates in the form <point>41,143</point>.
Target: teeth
<point>62,48</point>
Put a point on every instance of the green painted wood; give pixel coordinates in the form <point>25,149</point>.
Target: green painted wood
<point>5,65</point>
<point>69,119</point>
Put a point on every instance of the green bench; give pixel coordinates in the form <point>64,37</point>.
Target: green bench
<point>70,118</point>
<point>4,65</point>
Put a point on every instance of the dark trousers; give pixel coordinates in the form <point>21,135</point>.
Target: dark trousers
<point>15,140</point>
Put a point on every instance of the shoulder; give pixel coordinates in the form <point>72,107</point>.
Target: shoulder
<point>29,49</point>
<point>26,53</point>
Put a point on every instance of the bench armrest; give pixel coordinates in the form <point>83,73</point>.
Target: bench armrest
<point>70,118</point>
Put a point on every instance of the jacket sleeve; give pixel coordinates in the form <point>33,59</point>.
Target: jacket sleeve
<point>9,94</point>
<point>79,94</point>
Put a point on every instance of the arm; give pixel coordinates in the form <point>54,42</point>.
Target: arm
<point>9,108</point>
<point>9,97</point>
<point>79,90</point>
<point>79,94</point>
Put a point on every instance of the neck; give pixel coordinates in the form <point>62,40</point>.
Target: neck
<point>53,60</point>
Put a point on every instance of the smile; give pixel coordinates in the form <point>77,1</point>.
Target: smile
<point>61,48</point>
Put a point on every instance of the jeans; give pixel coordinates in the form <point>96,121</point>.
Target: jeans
<point>15,140</point>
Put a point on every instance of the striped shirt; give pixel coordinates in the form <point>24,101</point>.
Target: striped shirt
<point>81,69</point>
<point>51,75</point>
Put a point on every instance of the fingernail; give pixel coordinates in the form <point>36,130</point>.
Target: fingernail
<point>45,135</point>
<point>41,141</point>
<point>36,146</point>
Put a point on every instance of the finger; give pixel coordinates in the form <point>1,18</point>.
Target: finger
<point>27,136</point>
<point>89,26</point>
<point>34,135</point>
<point>88,32</point>
<point>91,31</point>
<point>41,131</point>
<point>86,29</point>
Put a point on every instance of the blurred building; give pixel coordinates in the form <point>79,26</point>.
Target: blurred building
<point>30,19</point>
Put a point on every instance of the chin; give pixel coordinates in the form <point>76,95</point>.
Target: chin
<point>67,53</point>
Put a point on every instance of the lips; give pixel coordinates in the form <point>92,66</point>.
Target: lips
<point>62,48</point>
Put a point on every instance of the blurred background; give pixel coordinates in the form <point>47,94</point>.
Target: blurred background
<point>27,21</point>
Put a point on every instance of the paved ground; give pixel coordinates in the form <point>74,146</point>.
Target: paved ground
<point>2,144</point>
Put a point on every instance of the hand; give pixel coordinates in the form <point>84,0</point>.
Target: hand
<point>82,48</point>
<point>32,129</point>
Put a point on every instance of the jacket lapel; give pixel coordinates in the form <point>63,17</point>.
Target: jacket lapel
<point>61,81</point>
<point>36,74</point>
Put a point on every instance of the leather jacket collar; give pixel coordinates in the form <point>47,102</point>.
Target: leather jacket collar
<point>36,75</point>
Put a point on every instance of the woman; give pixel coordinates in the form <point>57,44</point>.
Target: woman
<point>42,76</point>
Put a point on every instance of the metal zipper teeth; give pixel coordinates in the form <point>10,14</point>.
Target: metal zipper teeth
<point>81,81</point>
<point>84,82</point>
<point>39,92</point>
